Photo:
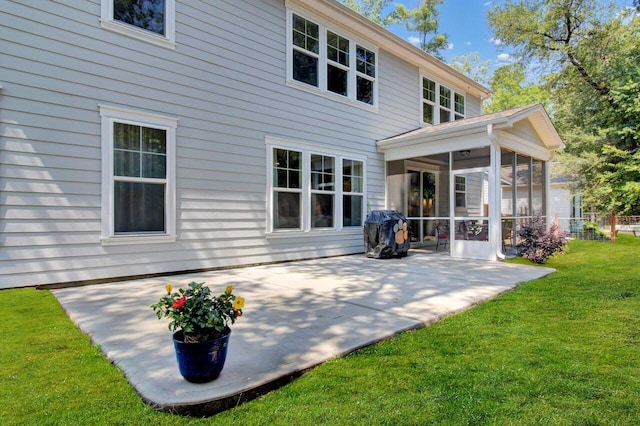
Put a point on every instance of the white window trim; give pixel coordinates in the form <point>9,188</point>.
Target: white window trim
<point>322,90</point>
<point>168,40</point>
<point>307,149</point>
<point>110,115</point>
<point>436,104</point>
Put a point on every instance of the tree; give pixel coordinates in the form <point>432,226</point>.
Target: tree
<point>591,53</point>
<point>472,66</point>
<point>423,20</point>
<point>371,9</point>
<point>511,89</point>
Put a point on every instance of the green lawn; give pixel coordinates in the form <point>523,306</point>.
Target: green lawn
<point>562,350</point>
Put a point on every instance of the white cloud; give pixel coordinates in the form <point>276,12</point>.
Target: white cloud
<point>487,3</point>
<point>414,40</point>
<point>468,43</point>
<point>505,59</point>
<point>450,46</point>
<point>495,41</point>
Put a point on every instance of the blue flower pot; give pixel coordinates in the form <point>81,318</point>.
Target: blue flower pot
<point>202,361</point>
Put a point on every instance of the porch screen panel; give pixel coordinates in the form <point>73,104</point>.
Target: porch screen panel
<point>506,183</point>
<point>537,187</point>
<point>523,189</point>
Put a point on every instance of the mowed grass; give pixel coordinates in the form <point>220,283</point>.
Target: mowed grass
<point>562,350</point>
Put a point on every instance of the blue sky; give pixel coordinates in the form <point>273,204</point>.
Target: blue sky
<point>465,22</point>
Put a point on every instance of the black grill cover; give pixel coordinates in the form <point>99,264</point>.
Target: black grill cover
<point>386,234</point>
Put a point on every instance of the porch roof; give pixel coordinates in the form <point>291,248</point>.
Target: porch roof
<point>525,129</point>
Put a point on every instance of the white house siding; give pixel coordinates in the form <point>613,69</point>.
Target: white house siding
<point>560,204</point>
<point>224,82</point>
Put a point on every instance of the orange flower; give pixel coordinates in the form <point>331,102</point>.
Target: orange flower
<point>229,289</point>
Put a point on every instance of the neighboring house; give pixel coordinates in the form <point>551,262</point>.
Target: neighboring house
<point>157,136</point>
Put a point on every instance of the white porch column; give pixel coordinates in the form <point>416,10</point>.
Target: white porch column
<point>495,207</point>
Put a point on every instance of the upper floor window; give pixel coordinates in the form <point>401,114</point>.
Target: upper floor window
<point>440,104</point>
<point>337,64</point>
<point>148,20</point>
<point>333,63</point>
<point>306,50</point>
<point>366,74</point>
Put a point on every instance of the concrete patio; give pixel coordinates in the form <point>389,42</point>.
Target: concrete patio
<point>297,315</point>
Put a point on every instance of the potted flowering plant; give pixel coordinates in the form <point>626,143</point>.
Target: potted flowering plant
<point>200,322</point>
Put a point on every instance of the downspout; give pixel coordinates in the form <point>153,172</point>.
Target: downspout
<point>496,234</point>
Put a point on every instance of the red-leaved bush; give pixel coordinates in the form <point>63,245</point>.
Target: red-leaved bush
<point>537,244</point>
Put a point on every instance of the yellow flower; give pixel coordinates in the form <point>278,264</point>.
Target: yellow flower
<point>229,289</point>
<point>238,303</point>
<point>168,288</point>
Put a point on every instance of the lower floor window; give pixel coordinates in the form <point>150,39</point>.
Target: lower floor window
<point>329,193</point>
<point>138,176</point>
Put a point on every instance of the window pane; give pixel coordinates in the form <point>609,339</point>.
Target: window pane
<point>445,115</point>
<point>427,113</point>
<point>366,61</point>
<point>294,179</point>
<point>321,210</point>
<point>154,140</point>
<point>305,68</point>
<point>337,80</point>
<point>364,92</point>
<point>286,210</point>
<point>294,160</point>
<point>139,207</point>
<point>154,166</point>
<point>280,178</point>
<point>145,14</point>
<point>352,210</point>
<point>126,136</point>
<point>126,163</point>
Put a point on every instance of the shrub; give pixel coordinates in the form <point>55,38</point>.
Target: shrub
<point>592,229</point>
<point>537,244</point>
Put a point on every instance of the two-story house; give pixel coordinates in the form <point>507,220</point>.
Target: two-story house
<point>156,136</point>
